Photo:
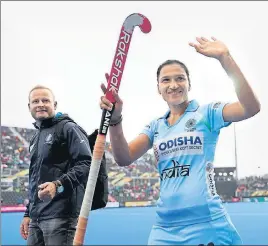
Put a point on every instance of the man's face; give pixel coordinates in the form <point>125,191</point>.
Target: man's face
<point>42,105</point>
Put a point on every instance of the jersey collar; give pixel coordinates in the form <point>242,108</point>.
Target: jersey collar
<point>192,107</point>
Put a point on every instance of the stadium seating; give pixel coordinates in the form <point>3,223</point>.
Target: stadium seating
<point>138,182</point>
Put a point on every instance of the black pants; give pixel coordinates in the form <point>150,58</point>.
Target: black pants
<point>58,231</point>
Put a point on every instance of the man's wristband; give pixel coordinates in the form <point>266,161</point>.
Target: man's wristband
<point>58,186</point>
<point>114,123</point>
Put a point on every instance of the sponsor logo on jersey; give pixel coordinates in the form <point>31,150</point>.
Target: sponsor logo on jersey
<point>148,126</point>
<point>176,171</point>
<point>210,179</point>
<point>187,143</point>
<point>216,105</point>
<point>156,152</point>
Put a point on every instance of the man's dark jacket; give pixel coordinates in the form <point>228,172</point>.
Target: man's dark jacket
<point>58,154</point>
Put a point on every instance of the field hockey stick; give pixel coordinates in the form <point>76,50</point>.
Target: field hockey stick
<point>114,80</point>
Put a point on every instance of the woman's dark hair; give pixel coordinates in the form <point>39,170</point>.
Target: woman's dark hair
<point>171,62</point>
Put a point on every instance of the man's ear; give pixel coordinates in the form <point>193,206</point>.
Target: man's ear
<point>29,106</point>
<point>55,105</point>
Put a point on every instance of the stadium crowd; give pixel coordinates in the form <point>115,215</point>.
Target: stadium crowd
<point>253,186</point>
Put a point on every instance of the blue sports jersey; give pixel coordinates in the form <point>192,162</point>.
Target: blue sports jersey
<point>185,153</point>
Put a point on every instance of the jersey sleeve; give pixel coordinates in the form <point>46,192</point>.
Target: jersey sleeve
<point>149,130</point>
<point>215,115</point>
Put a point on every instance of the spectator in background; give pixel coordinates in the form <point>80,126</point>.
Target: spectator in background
<point>60,159</point>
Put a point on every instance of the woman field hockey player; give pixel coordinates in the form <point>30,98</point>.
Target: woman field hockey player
<point>189,210</point>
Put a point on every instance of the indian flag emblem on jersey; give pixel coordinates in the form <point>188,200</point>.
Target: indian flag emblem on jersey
<point>190,125</point>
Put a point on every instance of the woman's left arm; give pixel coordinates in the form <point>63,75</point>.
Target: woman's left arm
<point>248,104</point>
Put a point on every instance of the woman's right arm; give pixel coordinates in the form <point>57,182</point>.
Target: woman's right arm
<point>126,153</point>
